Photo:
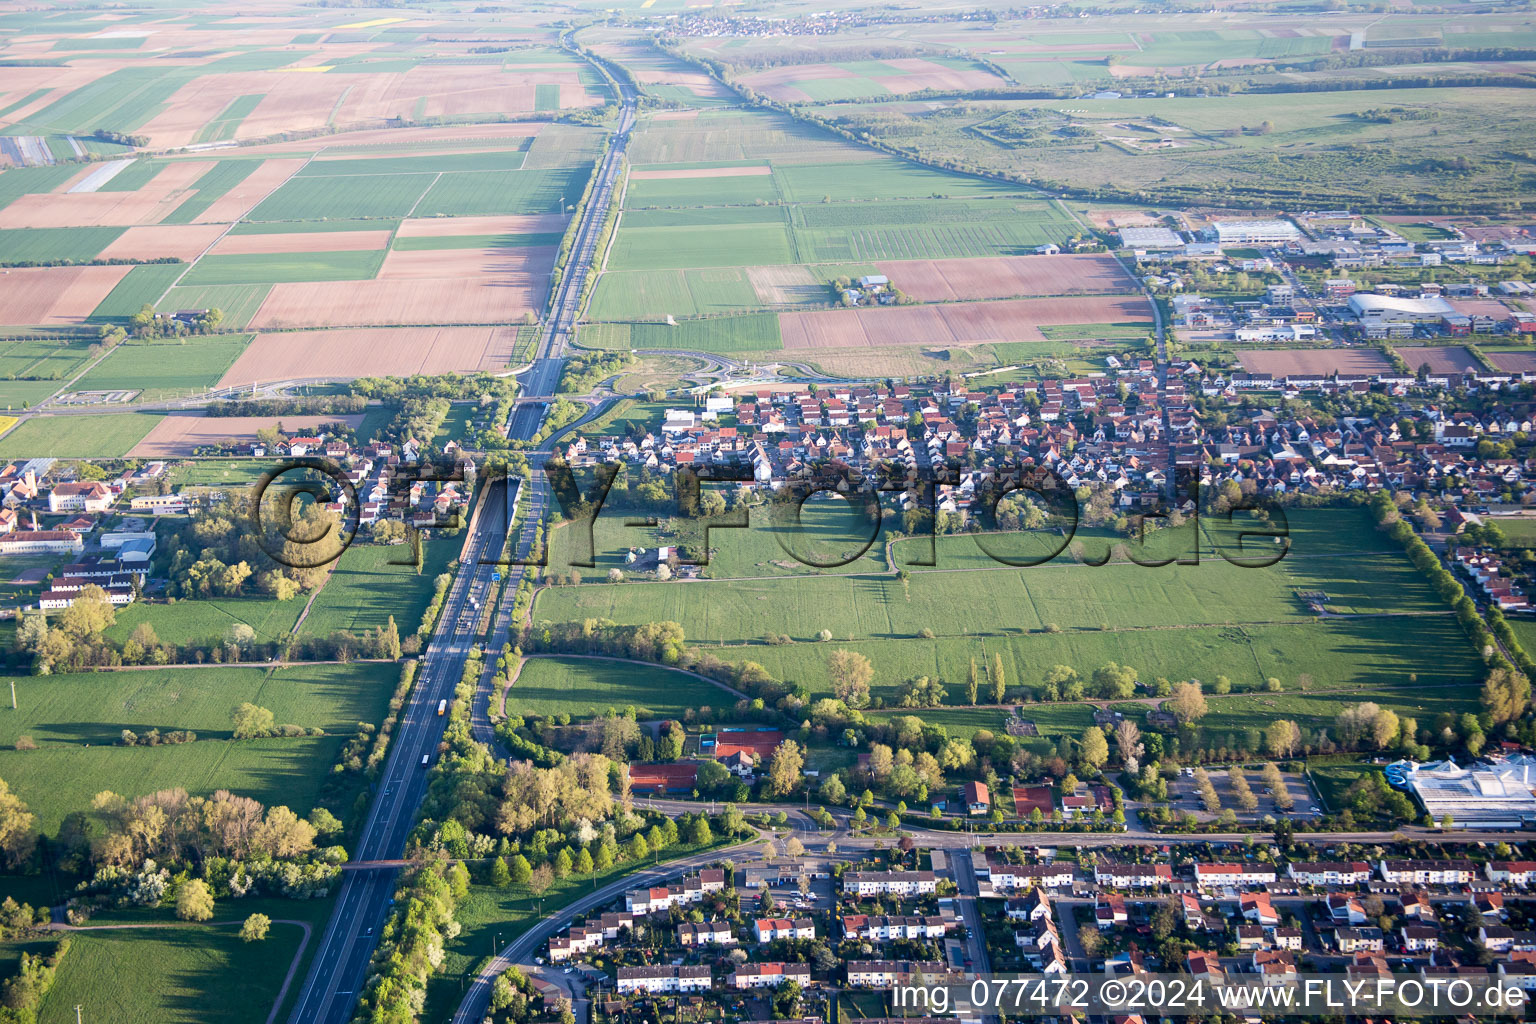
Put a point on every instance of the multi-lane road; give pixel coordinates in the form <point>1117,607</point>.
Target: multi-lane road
<point>340,967</point>
<point>341,960</point>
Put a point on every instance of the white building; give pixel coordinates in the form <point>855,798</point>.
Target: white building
<point>709,933</point>
<point>1221,876</point>
<point>880,928</point>
<point>1254,232</point>
<point>771,928</point>
<point>885,973</point>
<point>1005,876</point>
<point>1276,332</point>
<point>1370,308</point>
<point>663,979</point>
<point>81,496</point>
<point>663,897</point>
<point>33,542</point>
<point>1150,238</point>
<point>1428,872</point>
<point>1513,872</point>
<point>890,883</point>
<point>1329,872</point>
<point>1132,876</point>
<point>1498,795</point>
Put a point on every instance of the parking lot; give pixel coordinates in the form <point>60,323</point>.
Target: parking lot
<point>1184,796</point>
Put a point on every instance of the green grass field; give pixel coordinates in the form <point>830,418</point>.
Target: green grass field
<point>490,193</point>
<point>1176,621</point>
<point>194,974</point>
<point>232,472</point>
<point>228,122</point>
<point>239,302</point>
<point>719,245</point>
<point>66,712</point>
<point>742,190</point>
<point>443,163</point>
<point>925,229</point>
<point>57,780</point>
<point>584,687</point>
<point>679,293</point>
<point>170,366</point>
<point>364,589</point>
<point>886,178</point>
<point>19,181</point>
<point>141,286</point>
<point>15,394</point>
<point>824,535</point>
<point>1333,780</point>
<point>209,620</point>
<point>94,707</point>
<point>272,268</point>
<point>753,332</point>
<point>22,245</point>
<point>44,358</point>
<point>344,196</point>
<point>92,436</point>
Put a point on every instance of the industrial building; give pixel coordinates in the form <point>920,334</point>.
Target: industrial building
<point>1495,795</point>
<point>1253,232</point>
<point>1150,238</point>
<point>1380,311</point>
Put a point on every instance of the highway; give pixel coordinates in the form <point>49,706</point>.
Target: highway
<point>341,960</point>
<point>340,967</point>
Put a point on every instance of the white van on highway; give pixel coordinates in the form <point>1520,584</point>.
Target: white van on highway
<point>426,759</point>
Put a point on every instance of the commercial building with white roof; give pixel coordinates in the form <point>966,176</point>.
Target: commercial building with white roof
<point>1497,795</point>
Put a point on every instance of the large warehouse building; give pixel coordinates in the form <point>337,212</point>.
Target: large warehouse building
<point>1254,232</point>
<point>1497,795</point>
<point>1372,308</point>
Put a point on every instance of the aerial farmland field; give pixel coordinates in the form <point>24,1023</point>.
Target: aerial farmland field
<point>168,366</point>
<point>102,436</point>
